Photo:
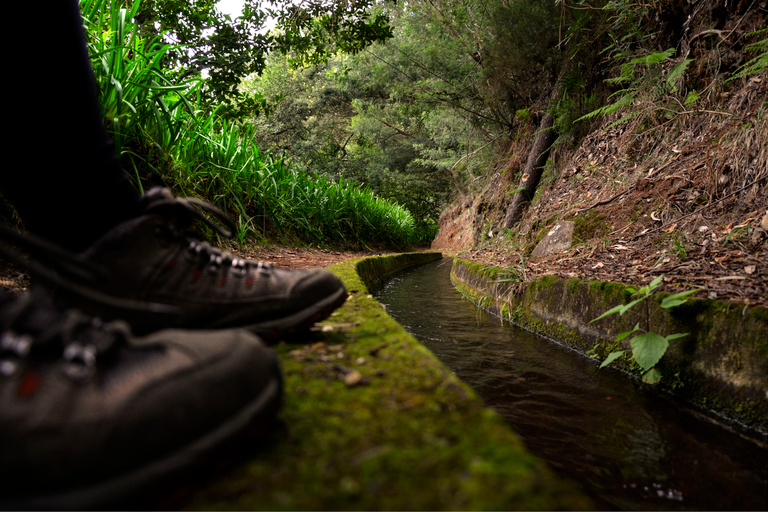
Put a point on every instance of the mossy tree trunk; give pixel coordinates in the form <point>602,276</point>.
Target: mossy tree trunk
<point>532,171</point>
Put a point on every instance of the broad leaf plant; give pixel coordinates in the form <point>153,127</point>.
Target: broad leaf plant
<point>647,347</point>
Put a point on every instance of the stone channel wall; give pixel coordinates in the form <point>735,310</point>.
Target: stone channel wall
<point>721,367</point>
<point>374,421</point>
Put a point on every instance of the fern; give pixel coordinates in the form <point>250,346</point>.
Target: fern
<point>757,64</point>
<point>623,119</point>
<point>647,85</point>
<point>627,97</point>
<point>674,75</point>
<point>654,58</point>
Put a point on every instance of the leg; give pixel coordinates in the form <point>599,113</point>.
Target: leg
<point>70,189</point>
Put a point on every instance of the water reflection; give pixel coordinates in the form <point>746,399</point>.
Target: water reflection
<point>629,449</point>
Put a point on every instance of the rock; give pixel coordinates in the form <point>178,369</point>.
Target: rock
<point>558,239</point>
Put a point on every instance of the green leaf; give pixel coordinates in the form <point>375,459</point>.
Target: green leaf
<point>625,334</point>
<point>655,58</point>
<point>677,335</point>
<point>676,72</point>
<point>674,300</point>
<point>648,348</point>
<point>631,289</point>
<point>626,307</point>
<point>656,282</point>
<point>609,312</point>
<point>652,376</point>
<point>612,357</point>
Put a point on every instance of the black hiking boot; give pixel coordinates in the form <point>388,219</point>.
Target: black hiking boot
<point>150,259</point>
<point>91,416</point>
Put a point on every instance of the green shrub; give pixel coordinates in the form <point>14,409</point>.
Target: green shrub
<point>157,131</point>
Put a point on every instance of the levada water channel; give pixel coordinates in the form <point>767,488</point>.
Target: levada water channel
<point>628,447</point>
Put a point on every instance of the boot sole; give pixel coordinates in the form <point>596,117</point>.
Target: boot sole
<point>273,330</point>
<point>128,485</point>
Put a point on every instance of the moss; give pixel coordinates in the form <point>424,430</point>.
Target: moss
<point>410,435</point>
<point>590,225</point>
<point>547,281</point>
<point>611,293</point>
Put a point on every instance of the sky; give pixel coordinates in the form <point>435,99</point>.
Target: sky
<point>231,7</point>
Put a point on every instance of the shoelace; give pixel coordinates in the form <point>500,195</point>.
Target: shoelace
<point>33,328</point>
<point>184,211</point>
<point>204,254</point>
<point>188,209</point>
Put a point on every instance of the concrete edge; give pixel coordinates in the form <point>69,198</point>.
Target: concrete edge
<point>720,368</point>
<point>374,421</point>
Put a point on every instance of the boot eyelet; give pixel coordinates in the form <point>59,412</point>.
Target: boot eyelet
<point>13,351</point>
<point>79,361</point>
<point>192,252</point>
<point>239,268</point>
<point>214,263</point>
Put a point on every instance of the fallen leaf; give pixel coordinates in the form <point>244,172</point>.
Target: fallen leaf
<point>670,228</point>
<point>353,378</point>
<point>750,269</point>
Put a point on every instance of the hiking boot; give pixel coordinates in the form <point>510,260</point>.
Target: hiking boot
<point>150,259</point>
<point>91,415</point>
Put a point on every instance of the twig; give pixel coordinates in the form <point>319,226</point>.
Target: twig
<point>605,201</point>
<point>705,32</point>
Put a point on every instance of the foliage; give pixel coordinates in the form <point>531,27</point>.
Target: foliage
<point>337,119</point>
<point>757,64</point>
<point>520,54</point>
<point>315,31</point>
<point>647,347</point>
<point>158,130</point>
<point>261,188</point>
<point>644,84</point>
<point>140,104</point>
<point>225,50</point>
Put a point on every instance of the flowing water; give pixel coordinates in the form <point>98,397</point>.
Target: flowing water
<point>628,448</point>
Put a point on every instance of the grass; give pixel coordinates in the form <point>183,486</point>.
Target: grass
<point>159,133</point>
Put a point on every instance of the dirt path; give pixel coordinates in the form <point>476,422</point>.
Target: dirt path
<point>285,257</point>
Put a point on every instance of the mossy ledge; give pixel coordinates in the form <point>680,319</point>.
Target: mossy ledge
<point>720,368</point>
<point>373,420</point>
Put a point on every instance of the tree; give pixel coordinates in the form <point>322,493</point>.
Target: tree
<point>230,49</point>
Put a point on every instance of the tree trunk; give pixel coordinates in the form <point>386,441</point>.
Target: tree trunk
<point>534,167</point>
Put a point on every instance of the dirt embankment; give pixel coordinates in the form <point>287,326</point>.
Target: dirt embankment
<point>687,199</point>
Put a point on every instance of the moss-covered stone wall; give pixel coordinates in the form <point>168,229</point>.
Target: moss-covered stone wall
<point>374,421</point>
<point>720,367</point>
